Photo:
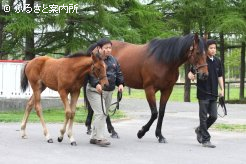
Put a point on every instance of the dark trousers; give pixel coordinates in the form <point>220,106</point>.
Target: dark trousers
<point>207,115</point>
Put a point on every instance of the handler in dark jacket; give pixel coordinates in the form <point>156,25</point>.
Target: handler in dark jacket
<point>207,94</point>
<point>94,90</point>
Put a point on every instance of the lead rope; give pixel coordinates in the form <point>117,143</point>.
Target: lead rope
<point>220,103</point>
<point>119,97</point>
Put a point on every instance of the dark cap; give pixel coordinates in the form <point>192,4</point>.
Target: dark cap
<point>210,41</point>
<point>103,41</point>
<point>91,48</point>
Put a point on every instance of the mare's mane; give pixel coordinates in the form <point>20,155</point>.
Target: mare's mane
<point>172,49</point>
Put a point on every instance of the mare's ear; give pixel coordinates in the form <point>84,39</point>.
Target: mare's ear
<point>205,37</point>
<point>196,38</point>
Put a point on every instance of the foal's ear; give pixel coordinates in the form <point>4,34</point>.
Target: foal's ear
<point>94,58</point>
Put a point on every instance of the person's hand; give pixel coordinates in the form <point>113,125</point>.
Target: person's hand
<point>120,88</point>
<point>99,88</point>
<point>221,94</point>
<point>191,76</point>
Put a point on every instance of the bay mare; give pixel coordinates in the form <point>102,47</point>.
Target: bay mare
<point>154,66</point>
<point>65,75</point>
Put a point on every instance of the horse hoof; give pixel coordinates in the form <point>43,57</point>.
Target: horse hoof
<point>50,140</point>
<point>88,132</point>
<point>73,143</point>
<point>24,137</point>
<point>109,131</point>
<point>162,140</point>
<point>140,134</point>
<point>114,135</point>
<point>59,139</point>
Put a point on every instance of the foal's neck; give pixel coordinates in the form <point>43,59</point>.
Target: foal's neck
<point>83,66</point>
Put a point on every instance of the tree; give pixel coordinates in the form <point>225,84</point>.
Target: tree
<point>63,32</point>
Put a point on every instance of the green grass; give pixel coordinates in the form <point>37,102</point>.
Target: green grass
<point>178,94</point>
<point>57,115</point>
<point>51,115</point>
<point>230,127</point>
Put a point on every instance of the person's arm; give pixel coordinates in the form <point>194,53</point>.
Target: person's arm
<point>95,83</point>
<point>221,84</point>
<point>220,79</point>
<point>119,78</point>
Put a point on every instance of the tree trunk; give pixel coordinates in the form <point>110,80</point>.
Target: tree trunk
<point>222,55</point>
<point>242,72</point>
<point>29,47</point>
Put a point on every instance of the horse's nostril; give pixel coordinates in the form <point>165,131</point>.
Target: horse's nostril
<point>205,76</point>
<point>105,85</point>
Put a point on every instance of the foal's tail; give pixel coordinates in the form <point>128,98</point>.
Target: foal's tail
<point>24,80</point>
<point>86,101</point>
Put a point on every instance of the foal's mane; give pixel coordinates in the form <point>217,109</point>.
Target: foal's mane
<point>172,49</point>
<point>77,54</point>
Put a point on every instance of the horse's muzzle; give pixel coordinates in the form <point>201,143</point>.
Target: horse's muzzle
<point>202,76</point>
<point>105,86</point>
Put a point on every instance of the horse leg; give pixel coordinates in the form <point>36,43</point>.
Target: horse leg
<point>28,109</point>
<point>63,95</point>
<point>163,101</point>
<point>73,102</point>
<point>89,119</point>
<point>38,108</point>
<point>150,95</point>
<point>110,127</point>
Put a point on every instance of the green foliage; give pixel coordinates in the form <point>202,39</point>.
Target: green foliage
<point>21,24</point>
<point>233,23</point>
<point>51,115</point>
<point>232,63</point>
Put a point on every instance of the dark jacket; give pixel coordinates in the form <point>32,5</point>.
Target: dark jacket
<point>114,74</point>
<point>207,89</point>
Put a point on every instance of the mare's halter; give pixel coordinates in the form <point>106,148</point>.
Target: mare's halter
<point>195,68</point>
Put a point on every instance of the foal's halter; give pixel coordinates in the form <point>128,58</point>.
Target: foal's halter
<point>94,69</point>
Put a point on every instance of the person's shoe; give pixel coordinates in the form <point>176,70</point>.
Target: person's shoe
<point>198,135</point>
<point>208,144</point>
<point>103,142</point>
<point>100,142</point>
<point>93,141</point>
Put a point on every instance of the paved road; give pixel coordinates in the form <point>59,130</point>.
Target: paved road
<point>178,127</point>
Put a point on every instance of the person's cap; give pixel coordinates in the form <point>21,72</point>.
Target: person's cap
<point>103,41</point>
<point>91,48</point>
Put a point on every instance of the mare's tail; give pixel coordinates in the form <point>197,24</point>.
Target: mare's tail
<point>24,80</point>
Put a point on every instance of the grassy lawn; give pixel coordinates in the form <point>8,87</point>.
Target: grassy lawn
<point>230,127</point>
<point>178,94</point>
<point>51,115</point>
<point>57,115</point>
